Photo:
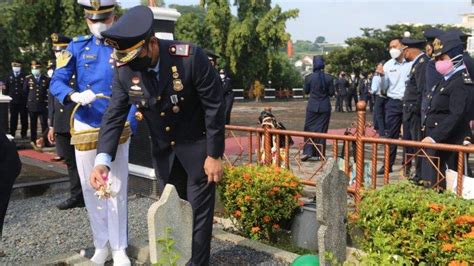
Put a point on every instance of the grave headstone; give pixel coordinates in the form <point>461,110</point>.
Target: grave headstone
<point>170,220</point>
<point>331,212</point>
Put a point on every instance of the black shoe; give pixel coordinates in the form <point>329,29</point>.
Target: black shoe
<point>70,203</point>
<point>305,157</point>
<point>381,171</point>
<point>2,254</point>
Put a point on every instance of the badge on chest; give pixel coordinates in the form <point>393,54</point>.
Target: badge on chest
<point>137,94</point>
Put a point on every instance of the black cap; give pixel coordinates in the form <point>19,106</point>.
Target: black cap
<point>59,41</point>
<point>461,34</point>
<point>445,43</point>
<point>98,9</point>
<point>35,64</point>
<point>432,33</point>
<point>412,43</point>
<point>211,54</point>
<point>128,35</point>
<point>16,63</point>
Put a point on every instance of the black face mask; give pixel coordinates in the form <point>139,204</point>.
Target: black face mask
<point>140,63</point>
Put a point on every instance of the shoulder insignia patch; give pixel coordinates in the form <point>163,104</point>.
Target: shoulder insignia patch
<point>422,60</point>
<point>81,38</point>
<point>63,59</point>
<point>179,50</point>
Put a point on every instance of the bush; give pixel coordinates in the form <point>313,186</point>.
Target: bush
<point>259,198</point>
<point>419,225</point>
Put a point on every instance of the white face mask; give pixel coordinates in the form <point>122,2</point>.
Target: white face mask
<point>16,69</point>
<point>50,73</point>
<point>353,76</point>
<point>57,54</point>
<point>222,76</point>
<point>35,72</point>
<point>395,53</point>
<point>97,29</point>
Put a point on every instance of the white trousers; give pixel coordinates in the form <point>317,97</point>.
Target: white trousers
<point>108,217</point>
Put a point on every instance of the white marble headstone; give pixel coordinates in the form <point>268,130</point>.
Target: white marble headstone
<point>171,212</point>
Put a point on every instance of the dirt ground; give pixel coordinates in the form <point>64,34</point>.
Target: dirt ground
<point>290,113</point>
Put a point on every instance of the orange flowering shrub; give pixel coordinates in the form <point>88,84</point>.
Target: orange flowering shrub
<point>422,226</point>
<point>259,198</point>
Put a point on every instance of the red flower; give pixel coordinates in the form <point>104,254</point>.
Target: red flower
<point>246,176</point>
<point>276,226</point>
<point>301,203</point>
<point>447,247</point>
<point>255,229</point>
<point>237,214</point>
<point>266,219</point>
<point>276,189</point>
<point>248,198</point>
<point>293,184</point>
<point>297,196</point>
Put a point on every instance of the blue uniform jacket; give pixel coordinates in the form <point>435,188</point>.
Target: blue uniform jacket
<point>89,59</point>
<point>320,87</point>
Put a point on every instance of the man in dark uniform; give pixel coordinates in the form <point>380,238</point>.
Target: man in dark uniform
<point>320,87</point>
<point>10,166</point>
<point>412,98</point>
<point>228,95</point>
<point>364,87</point>
<point>59,132</point>
<point>341,92</point>
<point>14,89</point>
<point>37,86</point>
<point>447,119</point>
<point>352,93</point>
<point>180,96</point>
<point>211,55</point>
<point>432,76</point>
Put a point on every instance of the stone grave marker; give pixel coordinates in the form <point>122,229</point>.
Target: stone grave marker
<point>170,218</point>
<point>331,212</point>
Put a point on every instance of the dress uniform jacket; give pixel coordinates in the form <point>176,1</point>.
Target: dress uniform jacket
<point>37,93</point>
<point>446,119</point>
<point>415,87</point>
<point>186,121</point>
<point>14,88</point>
<point>89,59</point>
<point>10,165</point>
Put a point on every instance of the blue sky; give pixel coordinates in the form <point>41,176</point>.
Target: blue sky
<point>340,19</point>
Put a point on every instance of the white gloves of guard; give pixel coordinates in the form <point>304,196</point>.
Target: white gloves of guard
<point>84,98</point>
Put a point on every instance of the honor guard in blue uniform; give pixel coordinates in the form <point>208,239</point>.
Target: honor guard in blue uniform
<point>59,131</point>
<point>89,59</point>
<point>432,76</point>
<point>320,87</point>
<point>228,95</point>
<point>412,98</point>
<point>450,101</point>
<point>179,94</point>
<point>37,86</point>
<point>14,88</point>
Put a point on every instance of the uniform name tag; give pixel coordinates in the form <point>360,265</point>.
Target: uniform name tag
<point>90,56</point>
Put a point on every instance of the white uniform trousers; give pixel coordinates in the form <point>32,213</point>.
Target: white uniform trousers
<point>108,217</point>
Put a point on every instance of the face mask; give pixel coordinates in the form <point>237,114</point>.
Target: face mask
<point>50,73</point>
<point>57,54</point>
<point>444,67</point>
<point>35,72</point>
<point>353,76</point>
<point>140,63</point>
<point>395,53</point>
<point>97,29</point>
<point>16,69</point>
<point>222,76</point>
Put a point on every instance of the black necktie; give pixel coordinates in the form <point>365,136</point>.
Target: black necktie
<point>152,76</point>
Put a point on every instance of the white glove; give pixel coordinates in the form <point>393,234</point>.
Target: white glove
<point>84,98</point>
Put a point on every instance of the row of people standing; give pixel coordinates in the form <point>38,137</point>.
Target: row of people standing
<point>426,97</point>
<point>352,89</point>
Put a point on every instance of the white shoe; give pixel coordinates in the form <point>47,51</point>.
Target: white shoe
<point>101,255</point>
<point>120,258</point>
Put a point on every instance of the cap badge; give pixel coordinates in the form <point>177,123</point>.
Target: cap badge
<point>437,45</point>
<point>54,37</point>
<point>95,4</point>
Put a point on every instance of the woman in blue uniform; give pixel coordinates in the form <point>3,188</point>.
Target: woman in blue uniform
<point>447,119</point>
<point>320,87</point>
